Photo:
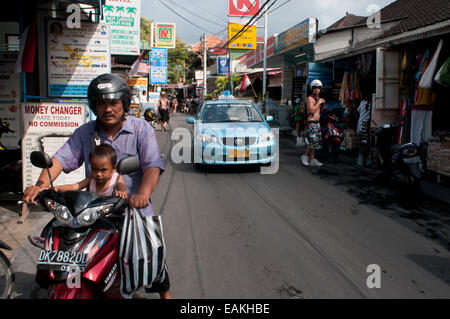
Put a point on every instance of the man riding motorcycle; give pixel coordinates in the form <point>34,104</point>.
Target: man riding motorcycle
<point>109,98</point>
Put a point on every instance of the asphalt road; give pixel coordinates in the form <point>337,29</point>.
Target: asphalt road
<point>235,233</point>
<point>300,233</point>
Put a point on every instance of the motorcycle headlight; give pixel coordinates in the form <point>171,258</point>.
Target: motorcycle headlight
<point>207,138</point>
<point>266,137</point>
<point>90,215</point>
<point>61,212</point>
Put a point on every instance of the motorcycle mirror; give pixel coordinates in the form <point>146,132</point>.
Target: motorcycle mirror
<point>128,165</point>
<point>41,160</point>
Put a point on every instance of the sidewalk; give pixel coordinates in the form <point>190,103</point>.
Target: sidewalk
<point>429,185</point>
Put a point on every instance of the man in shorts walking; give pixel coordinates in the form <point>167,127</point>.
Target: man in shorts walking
<point>313,105</point>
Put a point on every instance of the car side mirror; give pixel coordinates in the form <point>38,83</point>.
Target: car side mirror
<point>128,165</point>
<point>269,119</point>
<point>190,120</point>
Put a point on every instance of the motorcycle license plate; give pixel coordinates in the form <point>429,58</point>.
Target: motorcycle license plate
<point>62,260</point>
<point>411,160</point>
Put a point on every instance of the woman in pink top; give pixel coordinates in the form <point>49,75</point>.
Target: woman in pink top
<point>104,179</point>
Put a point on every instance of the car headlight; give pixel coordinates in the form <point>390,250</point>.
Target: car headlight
<point>90,215</point>
<point>207,138</point>
<point>61,212</point>
<point>267,136</point>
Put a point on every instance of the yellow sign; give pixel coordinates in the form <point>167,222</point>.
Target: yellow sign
<point>246,40</point>
<point>137,82</point>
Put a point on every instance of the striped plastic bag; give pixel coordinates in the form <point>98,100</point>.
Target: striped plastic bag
<point>142,252</point>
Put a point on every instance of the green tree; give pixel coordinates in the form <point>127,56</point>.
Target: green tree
<point>178,60</point>
<point>145,29</point>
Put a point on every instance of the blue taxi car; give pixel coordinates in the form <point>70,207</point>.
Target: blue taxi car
<point>228,132</point>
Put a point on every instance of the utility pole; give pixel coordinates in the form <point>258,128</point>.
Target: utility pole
<point>265,60</point>
<point>204,66</point>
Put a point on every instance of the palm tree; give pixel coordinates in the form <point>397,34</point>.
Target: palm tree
<point>120,9</point>
<point>131,10</point>
<point>109,8</point>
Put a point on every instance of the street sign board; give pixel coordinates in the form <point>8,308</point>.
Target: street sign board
<point>243,7</point>
<point>124,18</point>
<point>245,41</point>
<point>165,35</point>
<point>223,65</point>
<point>158,66</point>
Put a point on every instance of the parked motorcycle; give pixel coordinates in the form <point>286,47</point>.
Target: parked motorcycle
<point>7,278</point>
<point>80,255</point>
<point>10,165</point>
<point>401,161</point>
<point>332,126</point>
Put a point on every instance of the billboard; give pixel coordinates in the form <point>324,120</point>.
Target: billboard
<point>245,41</point>
<point>124,18</point>
<point>165,36</point>
<point>158,66</point>
<point>302,33</point>
<point>75,57</point>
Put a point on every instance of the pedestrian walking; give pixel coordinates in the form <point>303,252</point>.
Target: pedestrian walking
<point>163,108</point>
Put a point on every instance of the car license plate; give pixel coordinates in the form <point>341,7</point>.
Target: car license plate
<point>411,160</point>
<point>239,153</point>
<point>62,260</point>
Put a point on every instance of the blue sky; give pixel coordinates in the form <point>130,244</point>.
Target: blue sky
<point>210,16</point>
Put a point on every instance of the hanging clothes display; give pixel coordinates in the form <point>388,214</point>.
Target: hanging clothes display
<point>426,81</point>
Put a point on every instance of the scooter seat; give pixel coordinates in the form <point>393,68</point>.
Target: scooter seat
<point>395,148</point>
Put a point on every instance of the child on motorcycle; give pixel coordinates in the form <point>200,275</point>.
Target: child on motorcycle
<point>104,179</point>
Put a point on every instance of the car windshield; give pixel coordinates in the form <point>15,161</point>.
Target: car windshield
<point>230,112</point>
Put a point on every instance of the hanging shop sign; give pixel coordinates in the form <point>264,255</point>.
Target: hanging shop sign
<point>158,66</point>
<point>223,65</point>
<point>243,7</point>
<point>75,57</point>
<point>46,127</point>
<point>165,36</point>
<point>302,33</point>
<point>124,18</point>
<point>245,41</point>
<point>10,98</point>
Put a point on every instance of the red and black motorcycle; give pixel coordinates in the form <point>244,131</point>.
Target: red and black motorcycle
<point>332,126</point>
<point>80,259</point>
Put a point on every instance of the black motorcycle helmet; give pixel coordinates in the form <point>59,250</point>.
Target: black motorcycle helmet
<point>109,86</point>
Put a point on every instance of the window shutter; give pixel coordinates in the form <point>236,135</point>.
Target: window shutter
<point>388,79</point>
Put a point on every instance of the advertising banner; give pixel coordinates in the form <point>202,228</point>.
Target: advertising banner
<point>246,40</point>
<point>165,36</point>
<point>158,66</point>
<point>75,57</point>
<point>223,65</point>
<point>124,18</point>
<point>10,98</point>
<point>302,33</point>
<point>46,127</point>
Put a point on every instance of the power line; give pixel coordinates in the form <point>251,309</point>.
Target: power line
<point>194,13</point>
<point>183,17</point>
<point>296,6</point>
<point>279,6</point>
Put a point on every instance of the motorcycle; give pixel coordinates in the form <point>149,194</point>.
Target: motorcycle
<point>151,116</point>
<point>7,278</point>
<point>332,126</point>
<point>403,162</point>
<point>80,256</point>
<point>10,165</point>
